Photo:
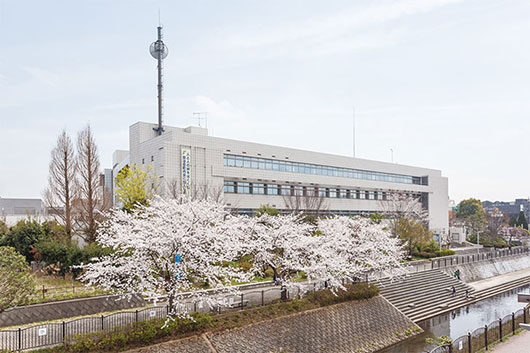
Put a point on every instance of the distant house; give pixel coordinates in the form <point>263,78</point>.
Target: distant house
<point>13,210</point>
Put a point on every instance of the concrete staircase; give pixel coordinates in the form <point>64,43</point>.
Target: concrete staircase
<point>425,294</point>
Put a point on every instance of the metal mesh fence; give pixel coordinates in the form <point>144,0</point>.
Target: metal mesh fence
<point>483,337</point>
<point>51,334</point>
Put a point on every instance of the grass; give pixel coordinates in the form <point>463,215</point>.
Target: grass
<point>54,288</point>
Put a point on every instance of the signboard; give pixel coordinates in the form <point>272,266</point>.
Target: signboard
<point>43,331</point>
<point>185,170</point>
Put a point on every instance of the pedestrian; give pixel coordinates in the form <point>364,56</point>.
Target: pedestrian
<point>467,294</point>
<point>458,274</point>
<point>453,290</point>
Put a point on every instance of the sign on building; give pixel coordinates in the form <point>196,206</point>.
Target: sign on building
<point>185,162</point>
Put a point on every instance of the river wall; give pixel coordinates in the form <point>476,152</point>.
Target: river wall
<point>471,272</point>
<point>359,326</point>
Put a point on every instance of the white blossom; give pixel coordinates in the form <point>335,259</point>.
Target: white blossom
<point>147,241</point>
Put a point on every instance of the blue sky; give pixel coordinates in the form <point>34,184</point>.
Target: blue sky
<point>444,83</point>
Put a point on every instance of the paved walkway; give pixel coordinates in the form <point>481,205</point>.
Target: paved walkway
<point>501,279</point>
<point>515,344</point>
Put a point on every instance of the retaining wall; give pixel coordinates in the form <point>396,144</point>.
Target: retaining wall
<point>470,272</point>
<point>66,308</point>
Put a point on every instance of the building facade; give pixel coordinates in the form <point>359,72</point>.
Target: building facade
<point>510,209</point>
<point>13,210</point>
<point>249,175</point>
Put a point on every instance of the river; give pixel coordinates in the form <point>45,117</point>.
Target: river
<point>461,321</point>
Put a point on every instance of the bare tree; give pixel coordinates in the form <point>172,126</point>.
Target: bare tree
<point>204,191</point>
<point>91,190</point>
<point>307,200</point>
<point>403,205</point>
<point>60,193</point>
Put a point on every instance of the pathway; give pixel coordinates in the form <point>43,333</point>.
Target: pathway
<point>515,344</point>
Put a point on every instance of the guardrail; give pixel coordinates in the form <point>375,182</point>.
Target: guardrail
<point>485,336</point>
<point>448,261</point>
<point>441,262</point>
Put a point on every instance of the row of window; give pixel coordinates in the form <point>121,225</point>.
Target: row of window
<point>349,213</point>
<point>238,187</point>
<point>296,167</point>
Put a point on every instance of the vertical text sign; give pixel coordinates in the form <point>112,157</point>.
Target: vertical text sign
<point>185,161</point>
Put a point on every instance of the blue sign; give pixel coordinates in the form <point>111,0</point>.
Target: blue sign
<point>177,261</point>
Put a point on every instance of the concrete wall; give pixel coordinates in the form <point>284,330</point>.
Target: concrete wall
<point>489,268</point>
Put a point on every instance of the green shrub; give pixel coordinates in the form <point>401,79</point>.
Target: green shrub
<point>425,255</point>
<point>67,255</point>
<point>23,237</point>
<point>138,333</point>
<point>445,252</point>
<point>353,292</point>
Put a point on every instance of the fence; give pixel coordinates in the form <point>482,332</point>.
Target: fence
<point>464,259</point>
<point>65,291</point>
<point>483,337</point>
<point>448,261</point>
<point>50,334</point>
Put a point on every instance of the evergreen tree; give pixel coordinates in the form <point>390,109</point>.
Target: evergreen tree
<point>521,221</point>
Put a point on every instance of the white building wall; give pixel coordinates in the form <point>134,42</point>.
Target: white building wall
<point>163,153</point>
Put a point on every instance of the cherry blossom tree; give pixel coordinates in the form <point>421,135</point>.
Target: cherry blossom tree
<point>335,249</point>
<point>283,242</point>
<point>348,248</point>
<point>171,247</point>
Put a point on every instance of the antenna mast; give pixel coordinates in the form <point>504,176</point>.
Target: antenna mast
<point>159,51</point>
<point>353,131</point>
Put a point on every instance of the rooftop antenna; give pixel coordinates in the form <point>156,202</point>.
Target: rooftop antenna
<point>200,117</point>
<point>159,51</point>
<point>353,131</point>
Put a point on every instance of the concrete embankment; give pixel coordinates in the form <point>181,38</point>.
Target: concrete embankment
<point>472,272</point>
<point>360,326</point>
<point>427,294</point>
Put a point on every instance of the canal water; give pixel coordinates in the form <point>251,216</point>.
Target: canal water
<point>461,321</point>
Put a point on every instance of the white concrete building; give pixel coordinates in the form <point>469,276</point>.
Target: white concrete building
<point>13,210</point>
<point>251,174</point>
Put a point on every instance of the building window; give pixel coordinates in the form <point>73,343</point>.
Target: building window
<point>272,189</point>
<point>230,187</point>
<point>243,188</point>
<point>285,190</point>
<point>306,168</point>
<point>258,189</point>
<point>298,191</point>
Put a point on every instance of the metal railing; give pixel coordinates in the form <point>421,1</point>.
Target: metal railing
<point>484,337</point>
<point>55,333</point>
<point>470,258</point>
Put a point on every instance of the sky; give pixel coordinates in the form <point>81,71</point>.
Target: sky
<point>445,84</point>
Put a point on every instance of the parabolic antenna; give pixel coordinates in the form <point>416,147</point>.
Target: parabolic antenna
<point>158,50</point>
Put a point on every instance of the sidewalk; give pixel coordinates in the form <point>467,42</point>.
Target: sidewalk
<point>516,344</point>
<point>500,279</point>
